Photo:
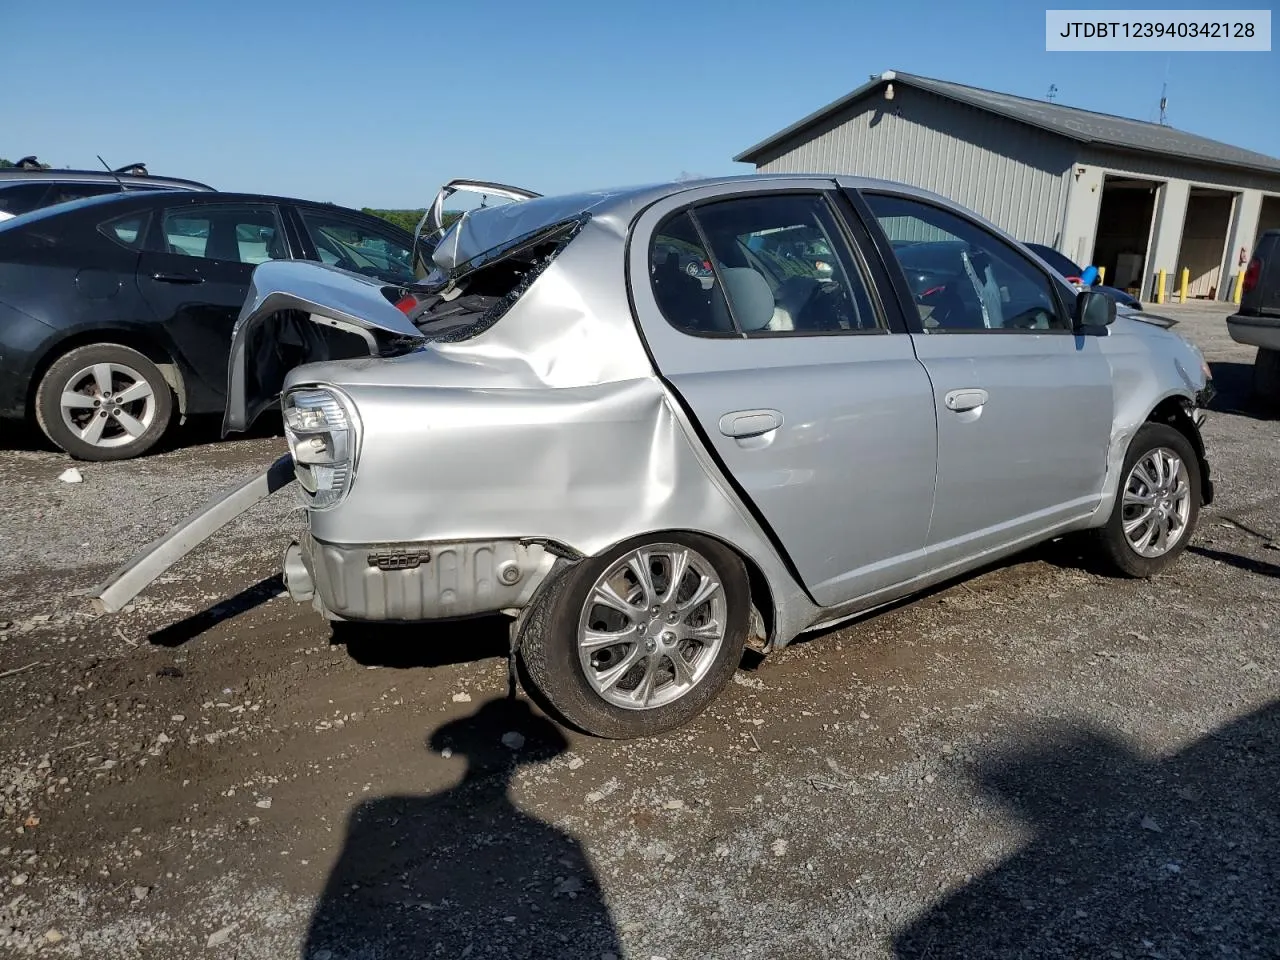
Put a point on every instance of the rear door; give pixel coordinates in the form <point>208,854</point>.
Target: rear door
<point>1024,405</point>
<point>817,411</point>
<point>195,277</point>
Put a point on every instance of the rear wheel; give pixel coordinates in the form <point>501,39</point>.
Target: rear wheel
<point>1266,375</point>
<point>639,640</point>
<point>104,402</point>
<point>1157,503</point>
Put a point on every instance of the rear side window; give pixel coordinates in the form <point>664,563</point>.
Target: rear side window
<point>20,198</point>
<point>760,266</point>
<point>65,192</point>
<point>128,231</point>
<point>234,233</point>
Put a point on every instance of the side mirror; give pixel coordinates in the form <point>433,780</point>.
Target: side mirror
<point>1093,310</point>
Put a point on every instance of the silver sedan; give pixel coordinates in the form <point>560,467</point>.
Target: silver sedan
<point>864,391</point>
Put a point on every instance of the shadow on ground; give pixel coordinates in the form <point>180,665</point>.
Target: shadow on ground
<point>188,628</point>
<point>1234,385</point>
<point>464,872</point>
<point>1173,858</point>
<point>1261,567</point>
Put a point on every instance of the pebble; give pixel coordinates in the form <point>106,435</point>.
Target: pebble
<point>141,893</point>
<point>177,718</point>
<point>779,848</point>
<point>220,936</point>
<point>18,879</point>
<point>513,740</point>
<point>53,936</point>
<point>1149,824</point>
<point>864,715</point>
<point>673,805</point>
<point>71,475</point>
<point>447,752</point>
<point>575,763</point>
<point>264,803</point>
<point>462,698</point>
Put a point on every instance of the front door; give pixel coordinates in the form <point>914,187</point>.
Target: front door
<point>1024,405</point>
<point>195,276</point>
<point>767,324</point>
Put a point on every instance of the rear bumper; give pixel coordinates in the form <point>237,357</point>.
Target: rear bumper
<point>1258,331</point>
<point>415,582</point>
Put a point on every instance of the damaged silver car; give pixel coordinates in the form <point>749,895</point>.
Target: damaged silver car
<point>648,469</point>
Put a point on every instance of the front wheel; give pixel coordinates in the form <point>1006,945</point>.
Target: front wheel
<point>1157,503</point>
<point>641,639</point>
<point>1266,375</point>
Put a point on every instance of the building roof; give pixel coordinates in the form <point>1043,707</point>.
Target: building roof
<point>1084,126</point>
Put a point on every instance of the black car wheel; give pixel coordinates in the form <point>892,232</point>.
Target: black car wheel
<point>104,402</point>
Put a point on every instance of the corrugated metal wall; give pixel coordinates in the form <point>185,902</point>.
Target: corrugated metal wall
<point>1014,175</point>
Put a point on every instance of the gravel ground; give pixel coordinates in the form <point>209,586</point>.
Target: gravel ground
<point>1034,762</point>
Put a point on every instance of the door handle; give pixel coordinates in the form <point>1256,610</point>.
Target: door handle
<point>749,423</point>
<point>177,278</point>
<point>967,399</point>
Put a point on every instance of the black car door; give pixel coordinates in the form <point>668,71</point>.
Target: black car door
<point>195,277</point>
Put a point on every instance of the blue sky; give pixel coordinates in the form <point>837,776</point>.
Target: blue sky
<point>375,103</point>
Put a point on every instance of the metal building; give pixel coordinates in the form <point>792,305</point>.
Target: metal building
<point>1134,198</point>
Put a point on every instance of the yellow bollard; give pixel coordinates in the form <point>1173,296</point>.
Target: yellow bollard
<point>1235,294</point>
<point>1160,278</point>
<point>1182,285</point>
<point>1102,276</point>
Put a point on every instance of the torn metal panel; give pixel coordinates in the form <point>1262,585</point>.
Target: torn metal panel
<point>156,557</point>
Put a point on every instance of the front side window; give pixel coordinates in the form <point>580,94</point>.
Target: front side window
<point>963,277</point>
<point>759,265</point>
<point>359,247</point>
<point>248,234</point>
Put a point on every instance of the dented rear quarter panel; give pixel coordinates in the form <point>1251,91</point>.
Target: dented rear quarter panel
<point>549,425</point>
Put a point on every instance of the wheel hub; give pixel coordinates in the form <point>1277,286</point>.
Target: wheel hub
<point>651,626</point>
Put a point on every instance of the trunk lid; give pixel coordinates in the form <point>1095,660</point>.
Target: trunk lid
<point>302,312</point>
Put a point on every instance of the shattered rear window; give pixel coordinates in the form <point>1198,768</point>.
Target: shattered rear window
<point>479,292</point>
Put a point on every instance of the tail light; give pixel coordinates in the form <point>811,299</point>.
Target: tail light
<point>1252,274</point>
<point>321,429</point>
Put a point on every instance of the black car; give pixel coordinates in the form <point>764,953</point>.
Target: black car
<point>28,186</point>
<point>116,310</point>
<point>1073,272</point>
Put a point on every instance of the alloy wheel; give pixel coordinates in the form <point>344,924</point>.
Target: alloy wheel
<point>1156,506</point>
<point>651,626</point>
<point>108,404</point>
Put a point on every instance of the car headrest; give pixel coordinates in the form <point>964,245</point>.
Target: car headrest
<point>751,297</point>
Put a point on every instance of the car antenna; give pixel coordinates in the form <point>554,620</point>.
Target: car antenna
<point>112,172</point>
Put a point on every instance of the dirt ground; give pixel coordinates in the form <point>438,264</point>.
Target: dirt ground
<point>1035,762</point>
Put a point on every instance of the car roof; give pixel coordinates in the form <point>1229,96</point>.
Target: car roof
<point>130,199</point>
<point>97,176</point>
<point>485,228</point>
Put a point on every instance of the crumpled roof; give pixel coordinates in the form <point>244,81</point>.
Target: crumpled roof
<point>1084,126</point>
<point>488,227</point>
